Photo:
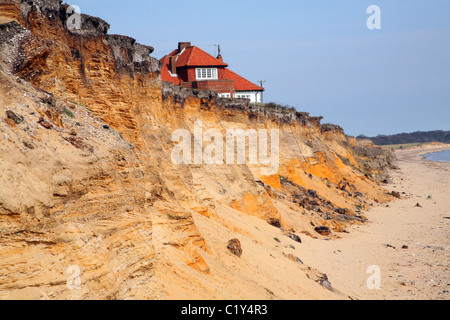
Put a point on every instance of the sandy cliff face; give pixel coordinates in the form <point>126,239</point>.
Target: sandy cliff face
<point>93,207</point>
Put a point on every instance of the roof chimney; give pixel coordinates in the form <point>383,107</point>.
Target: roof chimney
<point>173,65</point>
<point>183,45</point>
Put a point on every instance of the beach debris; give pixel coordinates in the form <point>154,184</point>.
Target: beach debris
<point>434,248</point>
<point>319,278</point>
<point>44,123</point>
<point>274,222</point>
<point>396,194</point>
<point>234,245</point>
<point>312,193</point>
<point>323,230</point>
<point>405,247</point>
<point>387,245</point>
<point>294,237</point>
<point>342,185</point>
<point>28,145</point>
<point>341,211</point>
<point>293,258</point>
<point>11,115</point>
<point>418,205</point>
<point>77,143</point>
<point>324,282</point>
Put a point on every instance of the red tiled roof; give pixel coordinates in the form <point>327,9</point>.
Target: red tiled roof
<point>174,52</point>
<point>241,84</point>
<point>165,75</point>
<point>196,57</point>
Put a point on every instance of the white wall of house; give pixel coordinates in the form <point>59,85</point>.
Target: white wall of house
<point>254,96</point>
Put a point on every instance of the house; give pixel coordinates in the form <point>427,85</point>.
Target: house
<point>191,67</point>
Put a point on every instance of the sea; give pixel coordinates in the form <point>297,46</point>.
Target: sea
<point>442,156</point>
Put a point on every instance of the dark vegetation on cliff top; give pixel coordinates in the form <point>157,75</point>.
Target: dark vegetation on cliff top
<point>415,137</point>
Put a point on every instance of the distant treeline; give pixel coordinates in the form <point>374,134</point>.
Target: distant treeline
<point>415,137</point>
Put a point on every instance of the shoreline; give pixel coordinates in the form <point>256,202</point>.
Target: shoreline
<point>423,150</point>
<point>409,244</point>
<point>423,156</point>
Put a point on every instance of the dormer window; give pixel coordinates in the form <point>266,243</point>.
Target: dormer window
<point>206,74</point>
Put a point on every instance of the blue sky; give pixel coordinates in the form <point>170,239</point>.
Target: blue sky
<point>318,56</point>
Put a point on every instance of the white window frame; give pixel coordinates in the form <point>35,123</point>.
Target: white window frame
<point>206,74</point>
<point>224,95</point>
<point>254,96</point>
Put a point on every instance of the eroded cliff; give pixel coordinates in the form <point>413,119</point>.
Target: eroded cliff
<point>93,207</point>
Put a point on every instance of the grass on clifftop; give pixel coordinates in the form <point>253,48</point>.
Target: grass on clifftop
<point>276,106</point>
<point>402,146</point>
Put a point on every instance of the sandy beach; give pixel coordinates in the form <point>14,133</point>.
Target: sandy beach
<point>410,244</point>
